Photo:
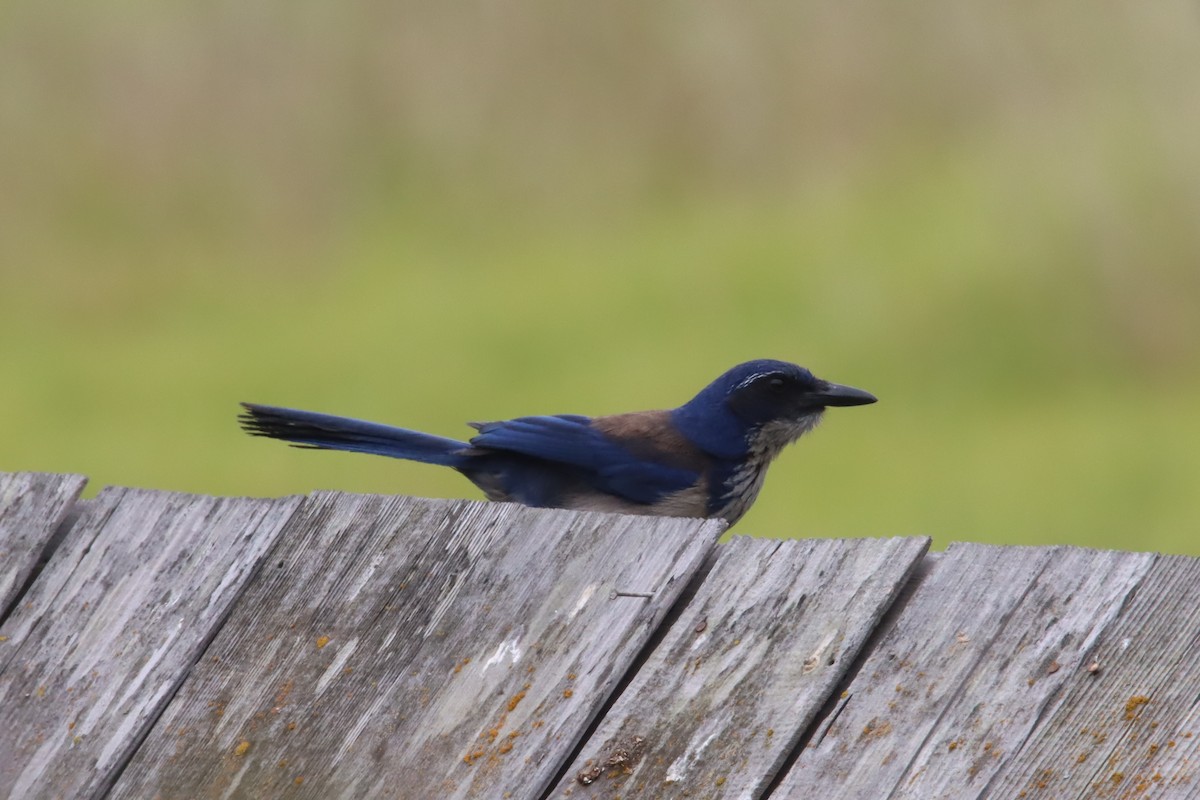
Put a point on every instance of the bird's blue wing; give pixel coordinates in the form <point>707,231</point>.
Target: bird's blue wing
<point>572,440</point>
<point>566,438</point>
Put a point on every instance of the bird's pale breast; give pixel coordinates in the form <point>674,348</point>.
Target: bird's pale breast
<point>745,482</point>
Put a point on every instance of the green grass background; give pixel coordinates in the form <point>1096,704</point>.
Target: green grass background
<point>432,213</point>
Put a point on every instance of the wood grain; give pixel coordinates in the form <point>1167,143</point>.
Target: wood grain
<point>32,506</point>
<point>744,669</point>
<point>407,648</point>
<point>967,671</point>
<point>181,646</point>
<point>110,627</point>
<point>1131,728</point>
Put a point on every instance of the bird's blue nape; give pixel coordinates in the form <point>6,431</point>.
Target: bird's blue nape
<point>713,427</point>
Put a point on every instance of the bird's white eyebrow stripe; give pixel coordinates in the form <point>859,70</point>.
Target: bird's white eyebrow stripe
<point>752,378</point>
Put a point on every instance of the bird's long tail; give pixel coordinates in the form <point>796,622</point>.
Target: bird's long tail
<point>324,431</point>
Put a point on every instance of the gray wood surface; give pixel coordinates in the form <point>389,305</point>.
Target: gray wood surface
<point>406,648</point>
<point>744,669</point>
<point>111,626</point>
<point>976,661</point>
<point>32,505</point>
<point>179,646</point>
<point>1132,728</point>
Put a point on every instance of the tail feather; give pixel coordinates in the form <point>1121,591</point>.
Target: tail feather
<point>327,432</point>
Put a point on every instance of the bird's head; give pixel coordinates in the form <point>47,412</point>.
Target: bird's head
<point>763,398</point>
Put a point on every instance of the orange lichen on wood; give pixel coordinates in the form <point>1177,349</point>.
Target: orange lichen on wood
<point>1134,704</point>
<point>516,699</point>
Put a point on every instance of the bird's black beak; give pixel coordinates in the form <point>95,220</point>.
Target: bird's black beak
<point>834,394</point>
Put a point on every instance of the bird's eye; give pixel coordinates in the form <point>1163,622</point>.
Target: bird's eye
<point>775,382</point>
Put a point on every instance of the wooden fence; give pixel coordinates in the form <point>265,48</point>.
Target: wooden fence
<point>163,645</point>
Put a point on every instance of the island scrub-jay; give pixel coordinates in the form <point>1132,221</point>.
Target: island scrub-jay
<point>706,458</point>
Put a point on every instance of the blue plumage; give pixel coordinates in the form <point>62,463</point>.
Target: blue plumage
<point>706,458</point>
<point>325,431</point>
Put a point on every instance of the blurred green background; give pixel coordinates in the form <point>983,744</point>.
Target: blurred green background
<point>988,215</point>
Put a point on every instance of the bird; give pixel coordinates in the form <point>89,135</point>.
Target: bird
<point>706,458</point>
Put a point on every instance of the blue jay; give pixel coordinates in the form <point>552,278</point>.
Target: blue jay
<point>706,458</point>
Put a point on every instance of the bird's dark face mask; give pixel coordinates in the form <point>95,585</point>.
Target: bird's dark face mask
<point>795,396</point>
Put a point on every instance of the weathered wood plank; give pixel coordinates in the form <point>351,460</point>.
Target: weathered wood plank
<point>399,647</point>
<point>1131,729</point>
<point>744,669</point>
<point>32,505</point>
<point>963,678</point>
<point>112,624</point>
<point>409,648</point>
